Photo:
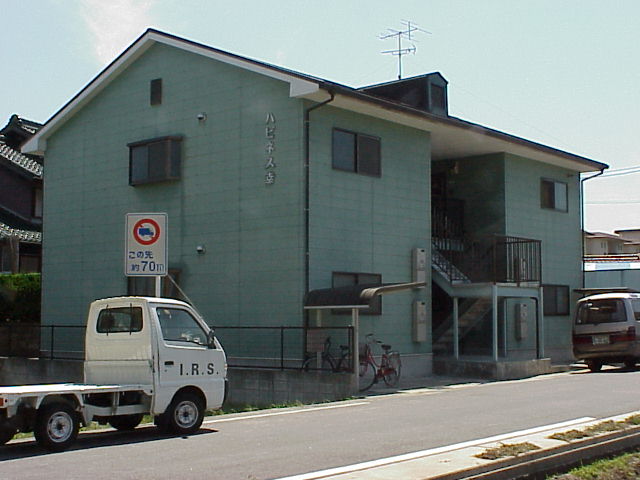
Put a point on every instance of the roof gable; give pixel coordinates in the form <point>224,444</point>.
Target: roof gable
<point>451,137</point>
<point>299,84</point>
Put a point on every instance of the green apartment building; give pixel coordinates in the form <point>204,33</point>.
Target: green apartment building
<point>277,184</point>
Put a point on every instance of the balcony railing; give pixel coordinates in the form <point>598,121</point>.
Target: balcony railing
<point>492,258</point>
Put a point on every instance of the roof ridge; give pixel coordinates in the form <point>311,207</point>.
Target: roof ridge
<point>21,160</point>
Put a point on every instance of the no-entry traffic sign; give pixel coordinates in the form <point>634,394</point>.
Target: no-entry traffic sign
<point>146,245</point>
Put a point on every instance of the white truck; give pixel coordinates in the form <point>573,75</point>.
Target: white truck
<point>142,356</point>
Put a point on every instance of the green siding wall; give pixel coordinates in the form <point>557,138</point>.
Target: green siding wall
<point>558,231</point>
<point>252,270</point>
<point>368,224</point>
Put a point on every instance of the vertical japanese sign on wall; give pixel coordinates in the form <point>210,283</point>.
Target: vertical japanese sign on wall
<point>270,148</point>
<point>146,245</point>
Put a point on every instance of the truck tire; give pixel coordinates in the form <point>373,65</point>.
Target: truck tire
<point>56,427</point>
<point>6,434</point>
<point>126,422</point>
<point>184,415</point>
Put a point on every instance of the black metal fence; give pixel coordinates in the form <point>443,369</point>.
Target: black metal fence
<point>61,342</point>
<point>285,348</point>
<point>246,346</point>
<point>490,258</point>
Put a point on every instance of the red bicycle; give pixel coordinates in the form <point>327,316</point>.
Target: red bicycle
<point>370,371</point>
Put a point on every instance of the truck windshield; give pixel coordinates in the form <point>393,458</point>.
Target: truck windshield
<point>601,311</point>
<point>179,326</point>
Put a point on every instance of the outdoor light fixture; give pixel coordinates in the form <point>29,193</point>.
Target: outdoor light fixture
<point>200,249</point>
<point>202,117</point>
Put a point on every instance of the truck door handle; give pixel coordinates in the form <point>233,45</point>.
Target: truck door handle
<point>168,363</point>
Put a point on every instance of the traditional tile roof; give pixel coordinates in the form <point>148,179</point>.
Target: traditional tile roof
<point>23,235</point>
<point>20,160</point>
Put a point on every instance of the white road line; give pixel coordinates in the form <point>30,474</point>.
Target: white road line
<point>284,412</point>
<point>424,453</point>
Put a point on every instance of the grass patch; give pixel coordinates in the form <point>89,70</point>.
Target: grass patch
<point>507,450</point>
<point>597,429</point>
<point>624,467</point>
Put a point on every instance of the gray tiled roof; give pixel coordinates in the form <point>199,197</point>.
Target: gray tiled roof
<point>21,160</point>
<point>23,235</point>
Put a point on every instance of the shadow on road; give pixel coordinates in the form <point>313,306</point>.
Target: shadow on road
<point>606,370</point>
<point>29,448</point>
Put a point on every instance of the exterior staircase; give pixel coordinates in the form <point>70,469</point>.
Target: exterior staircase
<point>474,311</point>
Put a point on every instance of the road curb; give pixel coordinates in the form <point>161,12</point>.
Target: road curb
<point>540,463</point>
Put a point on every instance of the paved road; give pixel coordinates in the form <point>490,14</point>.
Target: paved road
<point>278,443</point>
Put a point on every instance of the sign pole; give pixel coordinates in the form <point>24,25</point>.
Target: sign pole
<point>158,286</point>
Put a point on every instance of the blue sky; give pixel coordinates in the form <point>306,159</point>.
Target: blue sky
<point>565,73</point>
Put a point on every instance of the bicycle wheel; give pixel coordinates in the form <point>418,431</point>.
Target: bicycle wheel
<point>311,364</point>
<point>391,371</point>
<point>366,375</point>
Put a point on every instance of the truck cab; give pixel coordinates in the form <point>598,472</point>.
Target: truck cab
<point>153,341</point>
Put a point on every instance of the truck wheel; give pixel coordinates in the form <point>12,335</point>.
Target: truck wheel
<point>126,422</point>
<point>56,426</point>
<point>6,434</point>
<point>184,415</point>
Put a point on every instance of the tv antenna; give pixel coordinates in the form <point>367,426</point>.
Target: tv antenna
<point>407,34</point>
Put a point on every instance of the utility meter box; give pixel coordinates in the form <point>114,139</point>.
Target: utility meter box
<point>521,320</point>
<point>419,321</point>
<point>419,264</point>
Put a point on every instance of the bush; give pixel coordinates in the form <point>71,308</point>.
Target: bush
<point>20,298</point>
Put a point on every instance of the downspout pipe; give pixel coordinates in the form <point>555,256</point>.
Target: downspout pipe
<point>307,184</point>
<point>582,219</point>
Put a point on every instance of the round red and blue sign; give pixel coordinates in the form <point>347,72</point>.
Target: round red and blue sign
<point>146,231</point>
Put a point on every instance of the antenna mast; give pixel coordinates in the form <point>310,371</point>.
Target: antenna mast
<point>404,34</point>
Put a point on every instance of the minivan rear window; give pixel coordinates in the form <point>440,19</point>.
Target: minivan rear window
<point>601,311</point>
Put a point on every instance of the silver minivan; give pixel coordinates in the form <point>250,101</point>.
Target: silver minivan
<point>607,330</point>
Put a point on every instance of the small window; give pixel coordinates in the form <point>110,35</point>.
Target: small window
<point>356,152</point>
<point>344,279</point>
<point>178,325</point>
<point>154,160</point>
<point>555,299</point>
<point>553,195</point>
<point>155,91</point>
<point>120,320</point>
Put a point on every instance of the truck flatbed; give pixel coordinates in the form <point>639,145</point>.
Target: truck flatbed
<point>65,388</point>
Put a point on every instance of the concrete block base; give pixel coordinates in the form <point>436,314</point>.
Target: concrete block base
<point>500,370</point>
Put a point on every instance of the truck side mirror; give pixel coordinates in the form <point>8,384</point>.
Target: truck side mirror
<point>211,339</point>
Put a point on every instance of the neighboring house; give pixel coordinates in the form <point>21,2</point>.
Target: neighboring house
<point>277,184</point>
<point>20,199</point>
<point>612,261</point>
<point>619,243</point>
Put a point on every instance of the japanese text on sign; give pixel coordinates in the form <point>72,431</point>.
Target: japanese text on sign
<point>270,148</point>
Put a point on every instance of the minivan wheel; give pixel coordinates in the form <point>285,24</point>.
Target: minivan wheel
<point>594,365</point>
<point>630,363</point>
